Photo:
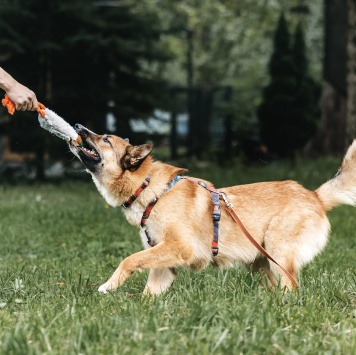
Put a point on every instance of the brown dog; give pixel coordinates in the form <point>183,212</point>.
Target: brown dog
<point>289,221</point>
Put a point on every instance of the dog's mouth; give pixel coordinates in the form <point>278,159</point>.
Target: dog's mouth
<point>89,151</point>
<point>85,148</point>
<point>86,151</point>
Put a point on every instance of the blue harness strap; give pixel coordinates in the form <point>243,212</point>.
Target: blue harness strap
<point>215,194</point>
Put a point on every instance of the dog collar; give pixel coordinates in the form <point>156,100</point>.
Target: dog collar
<point>133,197</point>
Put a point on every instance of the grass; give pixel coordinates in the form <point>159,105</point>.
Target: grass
<point>59,242</point>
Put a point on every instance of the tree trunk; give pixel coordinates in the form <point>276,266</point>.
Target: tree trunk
<point>351,74</point>
<point>331,138</point>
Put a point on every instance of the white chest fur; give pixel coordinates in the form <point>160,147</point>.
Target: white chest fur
<point>132,214</point>
<point>109,198</point>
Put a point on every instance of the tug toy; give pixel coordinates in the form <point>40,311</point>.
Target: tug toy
<point>59,127</point>
<point>49,121</point>
<point>10,105</point>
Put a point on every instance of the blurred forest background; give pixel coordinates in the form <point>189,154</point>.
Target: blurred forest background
<point>209,79</point>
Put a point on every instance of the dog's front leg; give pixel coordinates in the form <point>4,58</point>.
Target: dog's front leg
<point>162,256</point>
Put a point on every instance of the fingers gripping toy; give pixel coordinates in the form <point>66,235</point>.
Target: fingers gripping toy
<point>10,105</point>
<point>49,121</point>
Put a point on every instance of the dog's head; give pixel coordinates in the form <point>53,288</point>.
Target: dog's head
<point>108,152</point>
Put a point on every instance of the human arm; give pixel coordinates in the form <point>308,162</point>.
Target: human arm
<point>24,98</point>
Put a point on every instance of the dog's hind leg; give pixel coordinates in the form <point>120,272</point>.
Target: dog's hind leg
<point>159,280</point>
<point>162,256</point>
<point>262,266</point>
<point>287,261</point>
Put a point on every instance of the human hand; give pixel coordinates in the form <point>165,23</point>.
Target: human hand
<point>23,98</point>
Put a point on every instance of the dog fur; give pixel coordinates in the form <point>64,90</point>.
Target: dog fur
<point>284,217</point>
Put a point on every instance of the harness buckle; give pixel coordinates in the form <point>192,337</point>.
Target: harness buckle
<point>202,183</point>
<point>228,204</point>
<point>216,214</point>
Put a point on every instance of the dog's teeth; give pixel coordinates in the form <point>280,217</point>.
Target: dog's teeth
<point>90,151</point>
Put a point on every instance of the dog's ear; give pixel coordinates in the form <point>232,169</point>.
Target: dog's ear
<point>135,155</point>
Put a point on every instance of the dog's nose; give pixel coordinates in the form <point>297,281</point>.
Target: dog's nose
<point>78,127</point>
<point>83,131</point>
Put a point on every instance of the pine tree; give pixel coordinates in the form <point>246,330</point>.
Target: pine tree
<point>305,111</point>
<point>289,111</point>
<point>277,96</point>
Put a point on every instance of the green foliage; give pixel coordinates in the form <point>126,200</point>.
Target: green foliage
<point>60,242</point>
<point>290,111</point>
<point>68,45</point>
<point>77,56</point>
<point>231,44</point>
<point>281,60</point>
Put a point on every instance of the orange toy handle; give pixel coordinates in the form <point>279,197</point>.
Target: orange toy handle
<point>10,105</point>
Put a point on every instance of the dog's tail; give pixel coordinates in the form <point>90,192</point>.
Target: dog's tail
<point>341,189</point>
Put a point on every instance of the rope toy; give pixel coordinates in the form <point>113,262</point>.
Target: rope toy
<point>49,121</point>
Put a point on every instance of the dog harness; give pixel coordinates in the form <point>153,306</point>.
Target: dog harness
<point>215,194</point>
<point>216,209</point>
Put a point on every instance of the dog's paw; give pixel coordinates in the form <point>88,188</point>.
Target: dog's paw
<point>106,287</point>
<point>103,289</point>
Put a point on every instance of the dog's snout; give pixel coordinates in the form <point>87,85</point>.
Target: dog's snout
<point>81,130</point>
<point>78,127</point>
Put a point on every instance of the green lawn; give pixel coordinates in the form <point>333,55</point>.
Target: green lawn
<point>59,242</point>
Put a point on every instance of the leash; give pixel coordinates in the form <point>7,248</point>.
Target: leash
<point>11,107</point>
<point>259,247</point>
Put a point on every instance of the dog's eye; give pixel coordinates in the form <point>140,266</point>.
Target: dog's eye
<point>105,139</point>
